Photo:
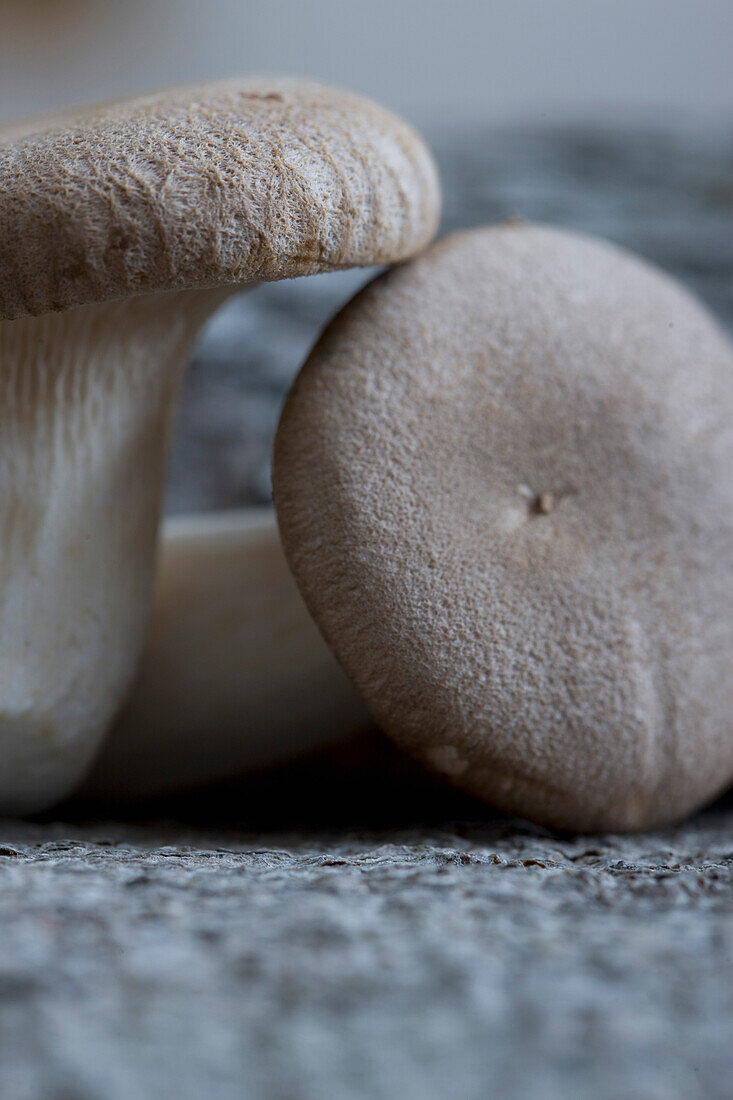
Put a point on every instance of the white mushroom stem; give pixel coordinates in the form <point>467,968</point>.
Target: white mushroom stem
<point>234,674</point>
<point>87,397</point>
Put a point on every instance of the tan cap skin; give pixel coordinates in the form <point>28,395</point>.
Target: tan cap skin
<point>121,229</point>
<point>503,482</point>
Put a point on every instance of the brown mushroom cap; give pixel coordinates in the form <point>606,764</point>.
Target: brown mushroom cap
<point>503,483</point>
<point>232,182</point>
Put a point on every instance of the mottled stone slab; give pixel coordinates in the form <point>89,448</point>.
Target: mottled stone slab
<point>462,960</point>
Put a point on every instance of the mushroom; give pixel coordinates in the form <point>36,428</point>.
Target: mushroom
<point>234,674</point>
<point>121,229</point>
<point>503,483</point>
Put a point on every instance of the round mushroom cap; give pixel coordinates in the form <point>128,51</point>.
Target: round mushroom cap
<point>503,482</point>
<point>206,185</point>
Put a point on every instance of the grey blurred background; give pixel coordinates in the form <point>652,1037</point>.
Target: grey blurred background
<point>433,60</point>
<point>610,116</point>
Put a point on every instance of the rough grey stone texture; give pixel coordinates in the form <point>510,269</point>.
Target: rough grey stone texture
<point>459,960</point>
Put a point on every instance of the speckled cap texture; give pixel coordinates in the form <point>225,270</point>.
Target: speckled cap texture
<point>504,486</point>
<point>254,179</point>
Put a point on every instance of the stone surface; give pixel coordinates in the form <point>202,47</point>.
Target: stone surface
<point>442,960</point>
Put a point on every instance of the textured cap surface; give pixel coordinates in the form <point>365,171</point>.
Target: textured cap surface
<point>503,482</point>
<point>242,180</point>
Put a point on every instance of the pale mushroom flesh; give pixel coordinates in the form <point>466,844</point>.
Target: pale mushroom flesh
<point>234,674</point>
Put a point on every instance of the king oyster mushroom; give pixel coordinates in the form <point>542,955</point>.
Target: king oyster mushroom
<point>503,482</point>
<point>121,229</point>
<point>234,673</point>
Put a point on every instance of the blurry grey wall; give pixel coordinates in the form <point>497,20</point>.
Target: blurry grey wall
<point>494,60</point>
